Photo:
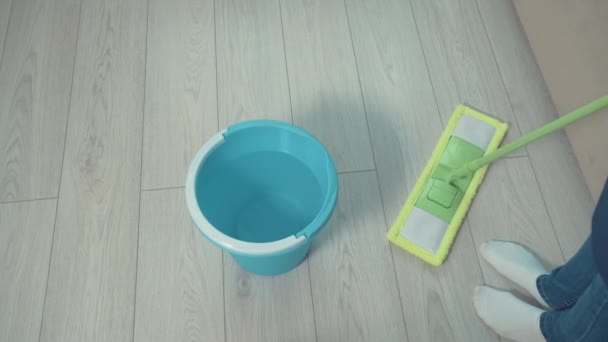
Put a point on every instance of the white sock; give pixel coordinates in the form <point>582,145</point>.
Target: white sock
<point>517,264</point>
<point>508,316</point>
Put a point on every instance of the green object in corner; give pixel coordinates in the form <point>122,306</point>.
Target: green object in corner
<point>429,221</point>
<point>531,137</point>
<point>440,196</point>
<point>452,175</point>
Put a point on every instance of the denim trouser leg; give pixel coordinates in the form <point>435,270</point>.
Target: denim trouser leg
<point>564,286</point>
<point>585,321</point>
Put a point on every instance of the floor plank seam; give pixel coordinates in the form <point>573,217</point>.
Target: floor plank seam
<point>542,195</point>
<point>136,265</point>
<point>483,276</point>
<point>467,225</point>
<point>375,169</point>
<point>217,91</point>
<point>217,112</point>
<point>224,296</point>
<point>390,248</point>
<point>8,25</point>
<point>312,300</point>
<point>293,121</point>
<point>516,121</point>
<point>426,63</point>
<point>513,157</point>
<point>167,188</point>
<point>29,200</point>
<point>502,80</point>
<point>141,166</point>
<point>352,45</point>
<point>355,171</point>
<point>65,143</point>
<point>48,274</point>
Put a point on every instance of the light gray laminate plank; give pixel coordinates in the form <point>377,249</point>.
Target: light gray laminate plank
<point>325,90</point>
<point>403,118</point>
<point>437,301</point>
<point>561,182</point>
<point>35,82</point>
<point>91,287</point>
<point>251,69</point>
<point>26,234</point>
<point>460,60</point>
<point>405,127</point>
<point>180,111</point>
<point>354,287</point>
<point>252,84</point>
<point>268,308</point>
<point>179,274</point>
<point>510,207</point>
<point>5,11</point>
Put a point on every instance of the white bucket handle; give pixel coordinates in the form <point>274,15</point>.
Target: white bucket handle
<point>231,244</point>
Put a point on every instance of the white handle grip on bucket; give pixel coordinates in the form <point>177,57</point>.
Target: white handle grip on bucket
<point>231,244</point>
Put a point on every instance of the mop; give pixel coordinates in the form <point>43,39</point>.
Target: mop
<point>433,213</point>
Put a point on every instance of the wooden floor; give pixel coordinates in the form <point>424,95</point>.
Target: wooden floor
<point>104,103</point>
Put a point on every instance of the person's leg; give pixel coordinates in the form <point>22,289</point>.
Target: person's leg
<point>565,285</point>
<point>557,290</point>
<point>585,321</point>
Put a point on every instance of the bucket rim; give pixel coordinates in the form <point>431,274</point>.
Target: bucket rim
<point>233,245</point>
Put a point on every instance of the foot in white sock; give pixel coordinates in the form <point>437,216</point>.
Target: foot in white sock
<point>517,264</point>
<point>508,316</point>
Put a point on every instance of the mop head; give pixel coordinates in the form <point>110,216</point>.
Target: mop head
<point>431,217</point>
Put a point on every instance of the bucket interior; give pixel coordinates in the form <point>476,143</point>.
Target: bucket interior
<point>263,184</point>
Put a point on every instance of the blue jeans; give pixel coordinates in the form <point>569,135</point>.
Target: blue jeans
<point>579,297</point>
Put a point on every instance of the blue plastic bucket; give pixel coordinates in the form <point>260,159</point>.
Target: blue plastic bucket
<point>261,190</point>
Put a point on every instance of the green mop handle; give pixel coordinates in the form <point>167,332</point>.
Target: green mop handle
<point>541,132</point>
